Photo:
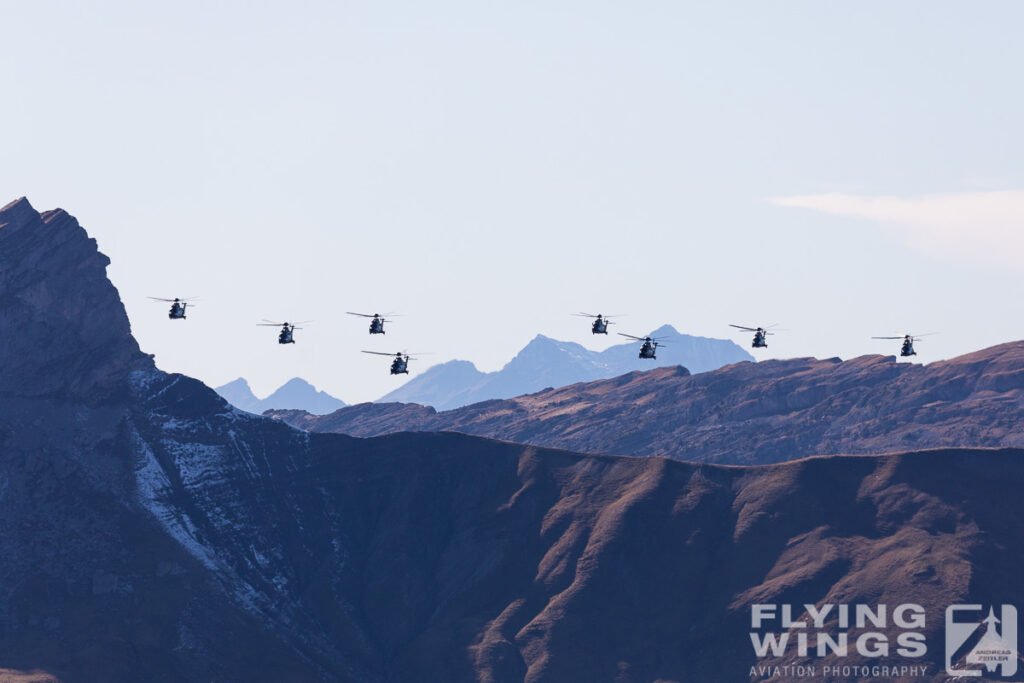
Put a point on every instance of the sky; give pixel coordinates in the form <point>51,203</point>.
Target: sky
<point>487,168</point>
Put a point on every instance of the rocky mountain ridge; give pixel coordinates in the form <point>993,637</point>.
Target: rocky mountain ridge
<point>153,532</point>
<point>748,413</point>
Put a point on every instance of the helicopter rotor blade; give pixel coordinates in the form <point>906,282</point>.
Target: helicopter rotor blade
<point>361,315</point>
<point>900,337</point>
<point>623,334</point>
<point>741,327</point>
<point>380,353</point>
<point>156,298</point>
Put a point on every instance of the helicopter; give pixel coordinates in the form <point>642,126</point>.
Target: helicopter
<point>178,306</point>
<point>650,345</point>
<point>286,335</point>
<point>399,363</point>
<point>907,348</point>
<point>760,335</point>
<point>600,324</point>
<point>377,323</point>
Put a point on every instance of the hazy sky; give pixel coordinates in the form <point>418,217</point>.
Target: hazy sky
<point>487,168</point>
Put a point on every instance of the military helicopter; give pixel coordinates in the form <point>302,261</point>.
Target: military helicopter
<point>178,306</point>
<point>377,323</point>
<point>760,335</point>
<point>286,335</point>
<point>600,324</point>
<point>650,345</point>
<point>907,348</point>
<point>399,362</point>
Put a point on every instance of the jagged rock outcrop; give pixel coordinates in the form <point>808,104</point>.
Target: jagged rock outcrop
<point>92,587</point>
<point>67,341</point>
<point>749,413</point>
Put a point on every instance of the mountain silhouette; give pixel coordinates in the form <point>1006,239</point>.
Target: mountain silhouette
<point>546,362</point>
<point>295,394</point>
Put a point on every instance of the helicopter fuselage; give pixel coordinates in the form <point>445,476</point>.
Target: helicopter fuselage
<point>177,311</point>
<point>648,350</point>
<point>399,367</point>
<point>376,326</point>
<point>600,326</point>
<point>286,336</point>
<point>907,349</point>
<point>760,340</point>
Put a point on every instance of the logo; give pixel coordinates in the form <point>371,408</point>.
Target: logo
<point>978,644</point>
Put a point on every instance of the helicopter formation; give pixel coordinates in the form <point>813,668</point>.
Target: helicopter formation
<point>599,325</point>
<point>286,335</point>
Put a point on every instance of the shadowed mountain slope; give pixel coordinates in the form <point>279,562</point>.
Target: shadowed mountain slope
<point>748,413</point>
<point>154,533</point>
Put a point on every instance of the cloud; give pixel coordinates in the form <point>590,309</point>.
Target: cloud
<point>985,227</point>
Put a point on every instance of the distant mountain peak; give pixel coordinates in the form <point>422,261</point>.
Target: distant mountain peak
<point>545,362</point>
<point>295,394</point>
<point>457,363</point>
<point>665,330</point>
<point>297,382</point>
<point>543,344</point>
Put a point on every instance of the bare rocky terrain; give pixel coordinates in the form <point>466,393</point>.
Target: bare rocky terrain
<point>748,413</point>
<point>154,533</point>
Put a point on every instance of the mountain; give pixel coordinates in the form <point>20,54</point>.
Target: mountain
<point>546,362</point>
<point>450,384</point>
<point>749,413</point>
<point>152,532</point>
<point>295,394</point>
<point>239,394</point>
